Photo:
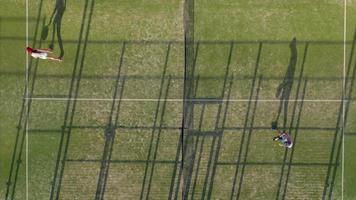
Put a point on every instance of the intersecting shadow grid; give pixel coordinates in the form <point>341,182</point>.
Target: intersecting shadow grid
<point>198,166</point>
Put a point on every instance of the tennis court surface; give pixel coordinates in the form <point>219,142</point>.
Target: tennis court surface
<point>175,100</point>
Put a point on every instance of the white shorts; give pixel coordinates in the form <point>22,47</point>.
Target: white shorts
<point>42,55</point>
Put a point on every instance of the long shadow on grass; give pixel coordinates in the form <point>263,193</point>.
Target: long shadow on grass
<point>57,14</point>
<point>70,108</point>
<point>23,121</point>
<point>155,121</point>
<point>215,146</point>
<point>109,133</point>
<point>295,107</point>
<point>339,133</point>
<point>297,123</point>
<point>248,114</point>
<point>284,89</point>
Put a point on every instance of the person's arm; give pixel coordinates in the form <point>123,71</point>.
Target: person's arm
<point>45,50</point>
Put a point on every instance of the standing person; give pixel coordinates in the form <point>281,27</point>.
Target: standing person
<point>284,139</point>
<point>42,54</point>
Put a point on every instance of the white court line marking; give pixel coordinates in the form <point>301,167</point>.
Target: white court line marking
<point>343,107</point>
<point>27,101</point>
<point>181,100</point>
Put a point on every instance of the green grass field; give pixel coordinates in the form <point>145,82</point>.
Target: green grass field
<point>121,56</point>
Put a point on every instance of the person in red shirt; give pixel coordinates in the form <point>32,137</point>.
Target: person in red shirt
<point>42,54</point>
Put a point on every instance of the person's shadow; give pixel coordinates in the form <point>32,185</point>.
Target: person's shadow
<point>56,16</point>
<point>284,89</point>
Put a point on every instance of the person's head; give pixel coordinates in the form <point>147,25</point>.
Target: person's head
<point>29,50</point>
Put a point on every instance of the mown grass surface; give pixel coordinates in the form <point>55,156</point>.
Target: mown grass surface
<point>260,35</point>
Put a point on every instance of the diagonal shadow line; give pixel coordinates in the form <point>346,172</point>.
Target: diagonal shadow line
<point>115,122</point>
<point>345,111</point>
<point>76,95</point>
<point>190,168</point>
<point>299,115</point>
<point>248,139</point>
<point>219,140</point>
<point>246,123</point>
<point>190,57</point>
<point>158,140</point>
<point>212,145</point>
<point>212,150</point>
<point>280,182</point>
<point>187,179</point>
<point>294,144</point>
<point>176,161</point>
<point>113,141</point>
<point>110,138</point>
<point>188,107</point>
<point>177,157</point>
<point>331,158</point>
<point>155,123</point>
<point>118,77</point>
<point>180,149</point>
<point>341,110</point>
<point>24,115</point>
<point>59,154</point>
<point>199,157</point>
<point>119,103</point>
<point>109,134</point>
<point>62,152</point>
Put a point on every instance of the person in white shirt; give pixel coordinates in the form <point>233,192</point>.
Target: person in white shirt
<point>284,139</point>
<point>42,54</point>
